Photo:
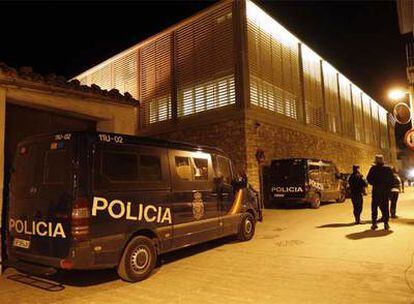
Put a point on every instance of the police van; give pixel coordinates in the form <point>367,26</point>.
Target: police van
<point>98,200</point>
<point>308,181</point>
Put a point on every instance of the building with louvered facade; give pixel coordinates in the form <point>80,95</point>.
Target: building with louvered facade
<point>233,77</point>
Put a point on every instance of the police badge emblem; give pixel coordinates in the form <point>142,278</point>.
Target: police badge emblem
<point>198,206</point>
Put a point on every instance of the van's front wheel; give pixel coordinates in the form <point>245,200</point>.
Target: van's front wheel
<point>316,201</point>
<point>138,260</point>
<point>247,227</point>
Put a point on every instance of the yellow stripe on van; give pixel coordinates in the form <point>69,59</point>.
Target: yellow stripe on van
<point>235,208</point>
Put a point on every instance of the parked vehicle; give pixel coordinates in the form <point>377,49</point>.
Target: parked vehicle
<point>302,180</point>
<point>98,200</point>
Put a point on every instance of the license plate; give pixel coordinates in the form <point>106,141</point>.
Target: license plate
<point>21,243</point>
<point>279,195</point>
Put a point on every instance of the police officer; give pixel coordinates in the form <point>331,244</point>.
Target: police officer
<point>395,192</point>
<point>381,179</point>
<point>357,185</point>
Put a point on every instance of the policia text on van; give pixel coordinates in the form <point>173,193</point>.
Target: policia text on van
<point>90,201</point>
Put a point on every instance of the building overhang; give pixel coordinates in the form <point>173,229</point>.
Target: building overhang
<point>405,9</point>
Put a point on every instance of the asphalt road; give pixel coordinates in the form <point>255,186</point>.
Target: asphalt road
<point>298,255</point>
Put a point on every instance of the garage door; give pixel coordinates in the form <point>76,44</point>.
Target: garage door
<point>22,122</point>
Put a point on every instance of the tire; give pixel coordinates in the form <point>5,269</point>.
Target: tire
<point>247,227</point>
<point>138,259</point>
<point>316,202</point>
<point>341,198</point>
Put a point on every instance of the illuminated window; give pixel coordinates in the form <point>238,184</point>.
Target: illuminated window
<point>210,95</point>
<point>346,107</point>
<point>358,114</point>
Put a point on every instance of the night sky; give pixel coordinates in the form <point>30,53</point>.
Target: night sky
<point>361,39</point>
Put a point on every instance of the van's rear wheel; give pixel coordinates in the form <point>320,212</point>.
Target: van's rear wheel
<point>138,260</point>
<point>316,201</point>
<point>247,227</point>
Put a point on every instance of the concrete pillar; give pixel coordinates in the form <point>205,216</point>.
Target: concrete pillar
<point>2,135</point>
<point>125,123</point>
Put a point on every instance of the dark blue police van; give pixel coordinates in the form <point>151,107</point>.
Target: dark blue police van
<point>98,200</point>
<point>305,181</point>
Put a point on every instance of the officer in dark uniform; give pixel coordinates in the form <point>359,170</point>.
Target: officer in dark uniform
<point>381,178</point>
<point>357,185</point>
<point>395,192</point>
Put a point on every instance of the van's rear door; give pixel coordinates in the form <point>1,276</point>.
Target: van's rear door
<point>287,179</point>
<point>41,192</point>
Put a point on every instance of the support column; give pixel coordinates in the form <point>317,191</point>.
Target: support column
<point>2,138</point>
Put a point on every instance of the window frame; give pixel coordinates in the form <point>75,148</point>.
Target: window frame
<point>216,163</point>
<point>193,185</point>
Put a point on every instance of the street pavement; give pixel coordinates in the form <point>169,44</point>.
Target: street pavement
<point>298,255</point>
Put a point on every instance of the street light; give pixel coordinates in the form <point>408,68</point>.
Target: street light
<point>397,94</point>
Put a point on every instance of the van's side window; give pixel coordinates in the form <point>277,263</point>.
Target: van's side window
<point>314,173</point>
<point>191,169</point>
<point>120,166</point>
<point>200,168</point>
<point>150,168</point>
<point>54,167</point>
<point>222,168</point>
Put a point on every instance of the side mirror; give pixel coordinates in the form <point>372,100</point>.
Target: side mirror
<point>239,183</point>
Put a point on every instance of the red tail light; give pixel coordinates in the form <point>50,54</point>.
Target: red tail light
<point>80,219</point>
<point>66,264</point>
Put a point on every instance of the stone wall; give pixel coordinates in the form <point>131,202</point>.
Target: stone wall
<point>228,136</point>
<point>240,138</point>
<point>283,142</point>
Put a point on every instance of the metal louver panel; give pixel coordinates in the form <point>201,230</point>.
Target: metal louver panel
<point>346,106</point>
<point>332,110</point>
<point>156,83</point>
<point>375,123</point>
<point>83,80</point>
<point>205,63</point>
<point>125,74</point>
<point>102,77</point>
<point>312,84</point>
<point>366,104</point>
<point>273,58</point>
<point>384,128</point>
<point>358,114</point>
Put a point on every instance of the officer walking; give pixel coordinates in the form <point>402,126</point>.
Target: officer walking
<point>381,179</point>
<point>395,192</point>
<point>357,185</point>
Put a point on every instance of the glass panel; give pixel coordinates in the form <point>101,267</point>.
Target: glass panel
<point>150,168</point>
<point>119,166</point>
<point>55,167</point>
<point>183,168</point>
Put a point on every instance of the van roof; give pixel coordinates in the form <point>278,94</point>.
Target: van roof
<point>127,139</point>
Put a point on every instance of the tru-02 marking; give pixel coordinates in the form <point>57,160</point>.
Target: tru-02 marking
<point>108,138</point>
